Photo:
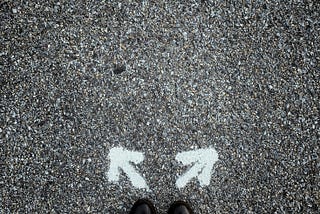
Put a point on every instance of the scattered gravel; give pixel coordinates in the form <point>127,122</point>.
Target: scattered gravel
<point>80,77</point>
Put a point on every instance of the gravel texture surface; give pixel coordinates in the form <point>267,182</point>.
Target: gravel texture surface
<point>80,77</point>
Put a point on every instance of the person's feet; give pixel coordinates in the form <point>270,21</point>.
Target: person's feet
<point>180,207</point>
<point>143,206</point>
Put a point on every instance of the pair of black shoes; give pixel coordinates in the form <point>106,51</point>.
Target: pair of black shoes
<point>144,206</point>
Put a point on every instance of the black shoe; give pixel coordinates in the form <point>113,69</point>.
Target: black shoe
<point>143,206</point>
<point>180,207</point>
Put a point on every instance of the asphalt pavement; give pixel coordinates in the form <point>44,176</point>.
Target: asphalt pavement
<point>80,78</point>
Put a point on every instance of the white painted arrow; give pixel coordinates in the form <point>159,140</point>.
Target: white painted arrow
<point>121,158</point>
<point>202,160</point>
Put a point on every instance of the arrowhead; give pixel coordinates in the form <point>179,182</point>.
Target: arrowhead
<point>121,158</point>
<point>202,160</point>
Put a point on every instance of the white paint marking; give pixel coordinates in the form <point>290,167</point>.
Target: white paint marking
<point>202,160</point>
<point>122,158</point>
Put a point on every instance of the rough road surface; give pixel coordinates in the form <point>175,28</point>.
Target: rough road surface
<point>79,78</point>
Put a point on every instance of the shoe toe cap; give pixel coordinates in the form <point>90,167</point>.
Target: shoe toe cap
<point>181,210</point>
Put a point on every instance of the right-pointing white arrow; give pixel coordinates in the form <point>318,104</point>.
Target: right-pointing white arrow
<point>202,160</point>
<point>121,158</point>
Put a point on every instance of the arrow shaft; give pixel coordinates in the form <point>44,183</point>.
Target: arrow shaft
<point>136,179</point>
<point>187,176</point>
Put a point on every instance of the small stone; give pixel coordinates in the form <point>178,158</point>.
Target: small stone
<point>119,70</point>
<point>185,35</point>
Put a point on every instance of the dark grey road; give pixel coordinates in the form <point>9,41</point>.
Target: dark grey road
<point>78,78</point>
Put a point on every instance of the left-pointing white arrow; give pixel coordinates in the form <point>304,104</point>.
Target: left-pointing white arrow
<point>121,158</point>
